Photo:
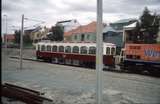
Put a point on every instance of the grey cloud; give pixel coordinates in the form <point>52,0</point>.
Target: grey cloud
<point>85,9</point>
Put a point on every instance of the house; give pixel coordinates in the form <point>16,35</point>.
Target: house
<point>68,24</point>
<point>118,25</point>
<point>85,33</point>
<point>128,30</point>
<point>110,35</point>
<point>113,33</point>
<point>10,38</point>
<point>37,34</point>
<point>41,34</point>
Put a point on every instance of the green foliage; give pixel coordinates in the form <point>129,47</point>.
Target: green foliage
<point>147,28</point>
<point>26,39</point>
<point>56,33</point>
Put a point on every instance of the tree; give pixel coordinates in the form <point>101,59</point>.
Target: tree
<point>17,36</point>
<point>147,28</point>
<point>26,39</point>
<point>56,33</point>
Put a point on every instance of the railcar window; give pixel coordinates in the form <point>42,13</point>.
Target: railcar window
<point>54,49</point>
<point>83,50</point>
<point>107,50</point>
<point>43,48</point>
<point>92,50</point>
<point>48,48</point>
<point>38,47</point>
<point>68,49</point>
<point>61,48</point>
<point>112,50</point>
<point>75,49</point>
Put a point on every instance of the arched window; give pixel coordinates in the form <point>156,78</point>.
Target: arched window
<point>61,48</point>
<point>54,48</point>
<point>112,50</point>
<point>68,49</point>
<point>88,36</point>
<point>75,49</point>
<point>48,48</point>
<point>83,50</point>
<point>75,37</point>
<point>107,50</point>
<point>92,50</point>
<point>43,48</point>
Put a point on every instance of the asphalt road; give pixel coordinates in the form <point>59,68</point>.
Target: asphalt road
<point>70,85</point>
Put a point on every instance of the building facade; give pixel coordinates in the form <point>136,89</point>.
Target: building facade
<point>85,33</point>
<point>10,38</point>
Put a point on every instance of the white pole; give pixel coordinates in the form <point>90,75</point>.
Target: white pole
<point>21,43</point>
<point>5,40</point>
<point>99,55</point>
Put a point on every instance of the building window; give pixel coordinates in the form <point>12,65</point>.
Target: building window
<point>68,49</point>
<point>48,48</point>
<point>61,48</point>
<point>75,49</point>
<point>83,50</point>
<point>54,49</point>
<point>92,50</point>
<point>82,37</point>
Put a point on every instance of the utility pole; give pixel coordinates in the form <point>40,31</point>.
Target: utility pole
<point>5,40</point>
<point>21,43</point>
<point>99,55</point>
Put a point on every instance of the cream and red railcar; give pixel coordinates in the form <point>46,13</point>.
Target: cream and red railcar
<point>75,53</point>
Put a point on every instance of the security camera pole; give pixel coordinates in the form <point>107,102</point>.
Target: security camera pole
<point>99,55</point>
<point>21,42</point>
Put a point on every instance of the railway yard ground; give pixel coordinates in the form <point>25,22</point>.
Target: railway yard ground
<point>76,85</point>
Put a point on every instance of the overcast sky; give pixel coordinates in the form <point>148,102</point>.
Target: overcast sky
<point>84,11</point>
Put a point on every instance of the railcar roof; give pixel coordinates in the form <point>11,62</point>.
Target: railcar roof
<point>74,43</point>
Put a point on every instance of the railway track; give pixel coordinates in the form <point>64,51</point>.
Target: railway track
<point>17,93</point>
<point>116,70</point>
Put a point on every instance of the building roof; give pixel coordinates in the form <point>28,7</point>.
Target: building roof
<point>124,20</point>
<point>64,21</point>
<point>91,27</point>
<point>108,28</point>
<point>131,26</point>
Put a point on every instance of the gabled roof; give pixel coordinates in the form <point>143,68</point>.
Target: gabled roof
<point>91,27</point>
<point>108,28</point>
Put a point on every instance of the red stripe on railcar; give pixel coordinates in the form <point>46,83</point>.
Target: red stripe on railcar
<point>107,59</point>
